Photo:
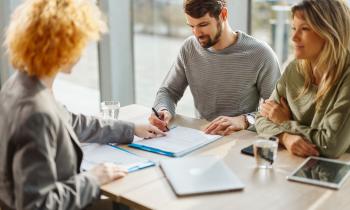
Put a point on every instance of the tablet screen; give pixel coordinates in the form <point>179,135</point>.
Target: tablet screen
<point>322,171</point>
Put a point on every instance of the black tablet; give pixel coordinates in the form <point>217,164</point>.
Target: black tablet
<point>322,172</point>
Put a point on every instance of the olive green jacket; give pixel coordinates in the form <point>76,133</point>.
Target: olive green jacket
<point>328,127</point>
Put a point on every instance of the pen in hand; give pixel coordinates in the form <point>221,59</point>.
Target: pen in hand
<point>157,115</point>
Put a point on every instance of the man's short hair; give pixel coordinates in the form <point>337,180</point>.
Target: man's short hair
<point>199,8</point>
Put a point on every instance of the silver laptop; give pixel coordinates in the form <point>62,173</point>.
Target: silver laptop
<point>198,175</point>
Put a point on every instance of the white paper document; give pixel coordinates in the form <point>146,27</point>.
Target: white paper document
<point>178,142</point>
<point>95,154</point>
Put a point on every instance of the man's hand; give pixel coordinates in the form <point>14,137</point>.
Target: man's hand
<point>297,145</point>
<point>224,125</point>
<point>164,120</point>
<point>147,131</point>
<point>277,113</point>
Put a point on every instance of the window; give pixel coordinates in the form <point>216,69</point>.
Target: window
<point>271,23</point>
<point>79,91</point>
<point>159,30</point>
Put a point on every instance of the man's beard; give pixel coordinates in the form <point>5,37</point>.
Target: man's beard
<point>211,42</point>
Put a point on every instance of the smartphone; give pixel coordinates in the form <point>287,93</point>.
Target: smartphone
<point>248,150</point>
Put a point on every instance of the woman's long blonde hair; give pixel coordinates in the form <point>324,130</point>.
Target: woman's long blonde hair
<point>45,36</point>
<point>330,19</point>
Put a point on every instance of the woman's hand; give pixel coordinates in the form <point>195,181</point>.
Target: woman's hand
<point>107,172</point>
<point>297,145</point>
<point>277,113</point>
<point>148,131</point>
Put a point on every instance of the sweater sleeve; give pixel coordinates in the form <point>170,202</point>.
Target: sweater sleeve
<point>264,126</point>
<point>173,86</point>
<point>269,73</point>
<point>93,129</point>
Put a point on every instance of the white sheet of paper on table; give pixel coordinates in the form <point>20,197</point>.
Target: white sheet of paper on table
<point>179,140</point>
<point>95,154</point>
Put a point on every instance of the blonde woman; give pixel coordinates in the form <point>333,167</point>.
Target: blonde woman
<point>309,109</point>
<point>39,148</point>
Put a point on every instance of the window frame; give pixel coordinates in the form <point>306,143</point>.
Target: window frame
<point>115,52</point>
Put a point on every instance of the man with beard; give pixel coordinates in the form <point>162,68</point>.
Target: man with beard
<point>227,71</point>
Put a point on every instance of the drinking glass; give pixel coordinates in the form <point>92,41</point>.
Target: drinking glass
<point>265,152</point>
<point>110,109</point>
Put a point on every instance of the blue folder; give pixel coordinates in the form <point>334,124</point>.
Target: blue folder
<point>151,149</point>
<point>178,142</point>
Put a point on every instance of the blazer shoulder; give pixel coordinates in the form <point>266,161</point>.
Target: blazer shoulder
<point>38,110</point>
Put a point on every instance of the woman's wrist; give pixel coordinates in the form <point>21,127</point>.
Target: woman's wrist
<point>282,138</point>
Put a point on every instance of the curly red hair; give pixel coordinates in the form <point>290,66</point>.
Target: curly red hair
<point>45,36</point>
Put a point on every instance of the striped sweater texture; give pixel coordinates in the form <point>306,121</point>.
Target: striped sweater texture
<point>228,82</point>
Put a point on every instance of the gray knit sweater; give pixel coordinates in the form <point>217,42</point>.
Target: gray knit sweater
<point>228,82</point>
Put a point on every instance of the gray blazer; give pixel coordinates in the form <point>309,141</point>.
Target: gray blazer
<point>40,153</point>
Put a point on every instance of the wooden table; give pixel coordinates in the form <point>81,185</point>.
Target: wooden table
<point>265,189</point>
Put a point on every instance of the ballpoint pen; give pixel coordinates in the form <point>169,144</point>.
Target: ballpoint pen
<point>157,115</point>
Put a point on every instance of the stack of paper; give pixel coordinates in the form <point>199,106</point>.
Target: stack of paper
<point>95,154</point>
<point>178,142</point>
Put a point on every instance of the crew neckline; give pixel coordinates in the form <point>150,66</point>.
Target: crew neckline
<point>228,49</point>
